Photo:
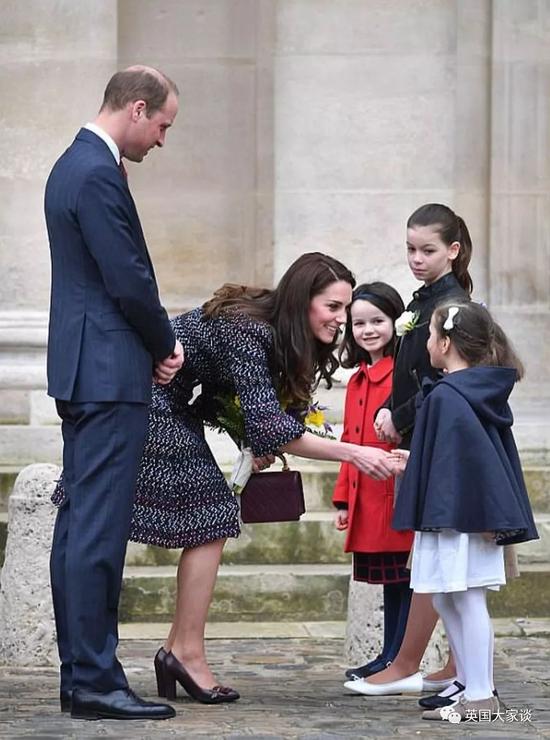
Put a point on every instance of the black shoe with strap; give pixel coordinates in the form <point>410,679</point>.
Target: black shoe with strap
<point>118,704</point>
<point>436,701</point>
<point>369,669</point>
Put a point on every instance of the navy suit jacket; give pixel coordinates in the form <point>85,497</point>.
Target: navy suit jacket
<point>107,324</point>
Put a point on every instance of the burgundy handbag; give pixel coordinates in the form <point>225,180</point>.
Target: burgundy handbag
<point>273,497</point>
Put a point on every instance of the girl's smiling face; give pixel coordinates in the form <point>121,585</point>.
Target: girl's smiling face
<point>427,254</point>
<point>372,329</point>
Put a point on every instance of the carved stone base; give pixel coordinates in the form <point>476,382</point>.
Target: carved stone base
<point>365,629</point>
<point>27,632</point>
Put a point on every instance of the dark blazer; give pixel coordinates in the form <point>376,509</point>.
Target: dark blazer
<point>412,361</point>
<point>107,324</point>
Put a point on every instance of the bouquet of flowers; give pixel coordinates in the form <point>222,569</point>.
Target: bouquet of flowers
<point>230,419</point>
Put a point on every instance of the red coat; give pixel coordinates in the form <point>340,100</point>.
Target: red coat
<point>370,502</point>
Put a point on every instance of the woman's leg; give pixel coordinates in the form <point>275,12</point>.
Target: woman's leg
<point>477,637</point>
<point>420,625</point>
<point>197,571</point>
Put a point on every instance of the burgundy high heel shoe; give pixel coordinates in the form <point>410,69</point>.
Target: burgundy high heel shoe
<point>174,671</point>
<point>158,662</point>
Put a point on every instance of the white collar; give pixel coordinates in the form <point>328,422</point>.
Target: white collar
<point>106,138</point>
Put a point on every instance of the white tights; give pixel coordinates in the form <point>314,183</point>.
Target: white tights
<point>470,634</point>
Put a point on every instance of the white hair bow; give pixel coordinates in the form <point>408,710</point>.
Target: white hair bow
<point>448,325</point>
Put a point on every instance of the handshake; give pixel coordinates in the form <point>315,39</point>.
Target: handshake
<point>166,369</point>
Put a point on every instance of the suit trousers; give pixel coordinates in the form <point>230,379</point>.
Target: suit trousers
<point>102,448</point>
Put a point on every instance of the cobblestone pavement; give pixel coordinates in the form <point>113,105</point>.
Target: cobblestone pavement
<point>291,688</point>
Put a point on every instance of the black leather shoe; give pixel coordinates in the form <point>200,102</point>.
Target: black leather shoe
<point>436,701</point>
<point>65,699</point>
<point>119,704</point>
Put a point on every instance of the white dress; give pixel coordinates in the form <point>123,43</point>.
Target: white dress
<point>454,561</point>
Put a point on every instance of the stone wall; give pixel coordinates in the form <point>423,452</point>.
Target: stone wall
<point>304,124</point>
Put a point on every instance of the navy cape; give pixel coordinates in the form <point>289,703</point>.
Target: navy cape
<point>464,471</point>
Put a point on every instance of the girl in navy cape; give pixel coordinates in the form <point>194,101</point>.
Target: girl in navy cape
<point>463,491</point>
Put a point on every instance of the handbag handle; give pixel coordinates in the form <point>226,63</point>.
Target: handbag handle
<point>282,458</point>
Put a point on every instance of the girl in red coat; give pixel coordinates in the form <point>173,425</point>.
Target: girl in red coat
<point>365,506</point>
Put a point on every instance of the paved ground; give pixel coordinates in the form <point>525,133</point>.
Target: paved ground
<point>291,688</point>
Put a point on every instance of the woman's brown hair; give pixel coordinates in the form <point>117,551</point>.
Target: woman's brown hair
<point>300,360</point>
<point>476,336</point>
<point>451,228</point>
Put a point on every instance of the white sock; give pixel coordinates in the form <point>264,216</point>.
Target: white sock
<point>450,691</point>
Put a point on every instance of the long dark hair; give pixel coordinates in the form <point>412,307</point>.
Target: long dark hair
<point>300,360</point>
<point>388,300</point>
<point>476,336</point>
<point>451,228</point>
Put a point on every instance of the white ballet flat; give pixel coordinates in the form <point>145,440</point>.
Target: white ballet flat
<point>409,685</point>
<point>436,686</point>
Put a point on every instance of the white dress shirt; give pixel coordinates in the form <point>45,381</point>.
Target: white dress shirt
<point>106,138</point>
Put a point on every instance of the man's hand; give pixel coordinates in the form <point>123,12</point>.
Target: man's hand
<point>166,369</point>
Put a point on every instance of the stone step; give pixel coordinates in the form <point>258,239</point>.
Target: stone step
<point>313,539</point>
<point>503,627</point>
<point>40,440</point>
<point>272,593</point>
<point>248,593</point>
<point>319,478</point>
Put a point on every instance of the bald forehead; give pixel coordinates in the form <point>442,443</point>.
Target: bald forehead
<point>144,68</point>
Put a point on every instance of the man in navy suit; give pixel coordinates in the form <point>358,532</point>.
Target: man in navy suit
<point>109,337</point>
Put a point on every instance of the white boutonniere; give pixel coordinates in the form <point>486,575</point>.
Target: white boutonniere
<point>406,322</point>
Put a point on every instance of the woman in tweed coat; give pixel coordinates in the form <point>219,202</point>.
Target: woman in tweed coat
<point>261,345</point>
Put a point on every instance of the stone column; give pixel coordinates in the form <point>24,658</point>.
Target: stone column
<point>365,116</point>
<point>55,59</point>
<point>206,199</point>
<point>471,122</point>
<point>520,185</point>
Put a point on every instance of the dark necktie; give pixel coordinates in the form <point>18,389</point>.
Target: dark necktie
<point>123,170</point>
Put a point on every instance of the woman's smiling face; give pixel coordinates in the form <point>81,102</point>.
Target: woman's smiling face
<point>327,311</point>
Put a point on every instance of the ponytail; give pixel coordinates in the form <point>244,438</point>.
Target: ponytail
<point>460,264</point>
<point>502,352</point>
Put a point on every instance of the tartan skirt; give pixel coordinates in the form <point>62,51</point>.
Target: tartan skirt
<point>381,567</point>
